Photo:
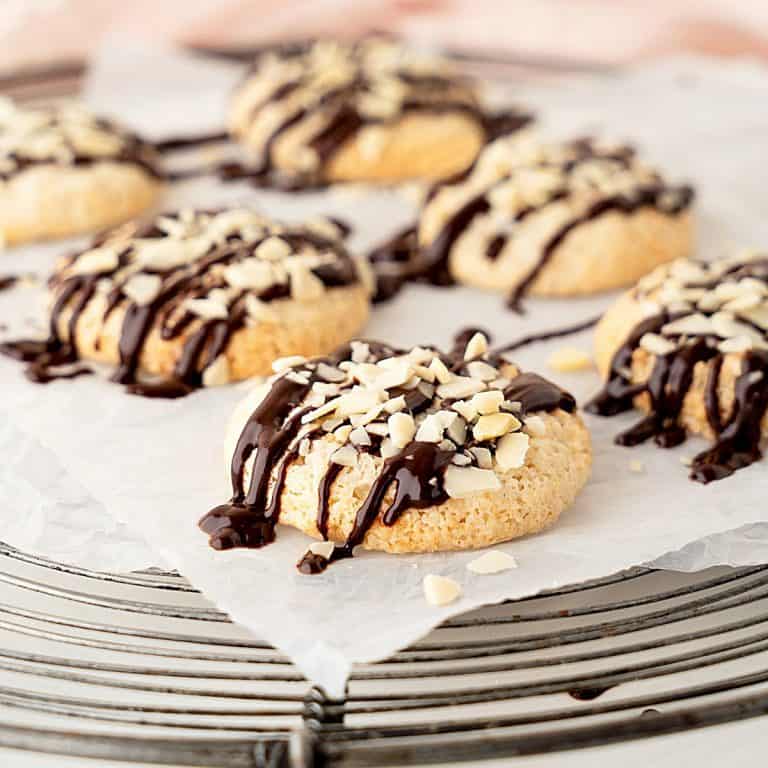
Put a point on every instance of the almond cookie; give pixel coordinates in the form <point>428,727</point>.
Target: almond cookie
<point>400,451</point>
<point>689,346</point>
<point>200,298</point>
<point>65,172</point>
<point>552,220</point>
<point>368,111</point>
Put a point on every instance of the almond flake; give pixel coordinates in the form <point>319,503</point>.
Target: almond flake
<point>534,425</point>
<point>342,433</point>
<point>395,404</point>
<point>359,436</point>
<point>330,373</point>
<point>466,409</point>
<point>430,430</point>
<point>250,275</point>
<point>483,457</point>
<point>657,345</point>
<point>142,288</point>
<point>461,460</point>
<point>438,367</point>
<point>494,561</point>
<point>735,344</point>
<point>305,284</point>
<point>478,369</point>
<point>477,346</point>
<point>97,260</point>
<point>692,325</point>
<point>511,450</point>
<point>488,402</point>
<point>290,361</point>
<point>273,249</point>
<point>439,590</point>
<point>493,426</point>
<point>460,482</point>
<point>217,373</point>
<point>326,228</point>
<point>569,359</point>
<point>460,387</point>
<point>322,549</point>
<point>208,309</point>
<point>346,456</point>
<point>388,449</point>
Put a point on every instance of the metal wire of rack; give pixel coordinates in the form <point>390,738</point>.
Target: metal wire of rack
<point>140,668</point>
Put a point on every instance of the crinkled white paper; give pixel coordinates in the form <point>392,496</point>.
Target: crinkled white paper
<point>80,455</point>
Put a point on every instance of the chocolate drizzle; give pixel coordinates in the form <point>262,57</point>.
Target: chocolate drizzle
<point>341,104</point>
<point>547,335</point>
<point>412,478</point>
<point>737,435</point>
<point>7,282</point>
<point>402,259</point>
<point>201,347</point>
<point>133,149</point>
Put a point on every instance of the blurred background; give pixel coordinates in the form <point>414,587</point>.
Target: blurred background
<point>569,33</point>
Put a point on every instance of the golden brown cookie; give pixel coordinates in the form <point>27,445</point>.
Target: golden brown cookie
<point>553,220</point>
<point>368,111</point>
<point>65,172</point>
<point>689,346</point>
<point>201,298</point>
<point>401,451</point>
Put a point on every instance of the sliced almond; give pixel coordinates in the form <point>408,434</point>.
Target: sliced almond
<point>322,548</point>
<point>358,436</point>
<point>493,426</point>
<point>250,274</point>
<point>273,249</point>
<point>483,457</point>
<point>460,387</point>
<point>494,561</point>
<point>305,285</point>
<point>430,430</point>
<point>346,456</point>
<point>402,428</point>
<point>534,425</point>
<point>476,347</point>
<point>460,482</point>
<point>291,361</point>
<point>489,402</point>
<point>439,590</point>
<point>217,373</point>
<point>657,345</point>
<point>569,360</point>
<point>208,308</point>
<point>97,260</point>
<point>511,450</point>
<point>479,369</point>
<point>438,367</point>
<point>142,288</point>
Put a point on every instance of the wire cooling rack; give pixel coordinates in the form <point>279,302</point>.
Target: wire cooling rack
<point>141,668</point>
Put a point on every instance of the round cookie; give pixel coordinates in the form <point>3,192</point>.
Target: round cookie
<point>65,172</point>
<point>689,346</point>
<point>401,451</point>
<point>553,219</point>
<point>367,111</point>
<point>200,298</point>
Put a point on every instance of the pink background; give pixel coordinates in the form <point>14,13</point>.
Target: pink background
<point>585,31</point>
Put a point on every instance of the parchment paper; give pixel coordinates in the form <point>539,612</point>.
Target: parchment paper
<point>79,455</point>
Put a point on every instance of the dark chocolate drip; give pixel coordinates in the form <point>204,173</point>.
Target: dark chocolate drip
<point>417,476</point>
<point>495,247</point>
<point>644,197</point>
<point>248,519</point>
<point>324,496</point>
<point>200,348</point>
<point>588,694</point>
<point>176,143</point>
<point>134,151</point>
<point>737,438</point>
<point>7,282</point>
<point>413,477</point>
<point>547,336</point>
<point>535,393</point>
